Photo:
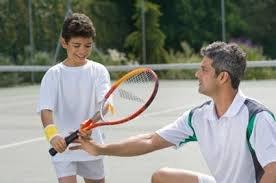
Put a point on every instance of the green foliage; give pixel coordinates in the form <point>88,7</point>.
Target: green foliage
<point>255,53</point>
<point>260,73</point>
<point>118,27</point>
<point>185,55</point>
<point>42,58</point>
<point>261,21</point>
<point>112,20</point>
<point>154,37</point>
<point>8,79</point>
<point>186,20</point>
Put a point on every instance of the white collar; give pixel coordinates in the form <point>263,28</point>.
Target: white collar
<point>233,109</point>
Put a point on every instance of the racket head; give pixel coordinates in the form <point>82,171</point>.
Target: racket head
<point>129,96</point>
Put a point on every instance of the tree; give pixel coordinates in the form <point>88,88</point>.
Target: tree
<point>199,21</point>
<point>112,20</point>
<point>13,29</point>
<point>155,38</point>
<point>261,23</point>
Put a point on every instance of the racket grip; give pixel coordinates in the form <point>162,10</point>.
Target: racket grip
<point>69,139</point>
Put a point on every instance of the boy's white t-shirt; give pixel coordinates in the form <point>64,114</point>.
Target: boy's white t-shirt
<point>74,95</point>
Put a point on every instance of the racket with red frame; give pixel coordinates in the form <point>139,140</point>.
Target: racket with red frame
<point>127,98</point>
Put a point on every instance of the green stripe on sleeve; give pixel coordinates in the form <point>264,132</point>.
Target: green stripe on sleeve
<point>190,138</point>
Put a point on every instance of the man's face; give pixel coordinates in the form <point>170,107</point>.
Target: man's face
<point>78,49</point>
<point>207,77</point>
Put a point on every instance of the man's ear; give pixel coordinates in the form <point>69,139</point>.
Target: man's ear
<point>223,77</point>
<point>63,43</point>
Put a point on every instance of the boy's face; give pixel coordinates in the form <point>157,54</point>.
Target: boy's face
<point>78,49</point>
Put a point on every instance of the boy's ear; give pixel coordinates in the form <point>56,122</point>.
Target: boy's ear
<point>63,43</point>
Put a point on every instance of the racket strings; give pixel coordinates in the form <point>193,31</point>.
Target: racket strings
<point>141,78</point>
<point>131,95</point>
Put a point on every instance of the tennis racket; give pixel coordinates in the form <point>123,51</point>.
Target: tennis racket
<point>127,98</point>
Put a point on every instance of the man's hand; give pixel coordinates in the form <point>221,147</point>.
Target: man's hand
<point>86,144</point>
<point>58,143</point>
<point>84,132</point>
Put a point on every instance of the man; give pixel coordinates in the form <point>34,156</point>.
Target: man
<point>236,135</point>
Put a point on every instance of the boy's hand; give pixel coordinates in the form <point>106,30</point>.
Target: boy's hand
<point>58,143</point>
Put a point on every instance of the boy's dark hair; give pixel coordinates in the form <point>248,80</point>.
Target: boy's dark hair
<point>78,25</point>
<point>228,58</point>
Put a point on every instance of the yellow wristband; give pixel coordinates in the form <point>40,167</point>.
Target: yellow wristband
<point>50,131</point>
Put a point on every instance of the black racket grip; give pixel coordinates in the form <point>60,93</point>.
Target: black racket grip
<point>69,139</point>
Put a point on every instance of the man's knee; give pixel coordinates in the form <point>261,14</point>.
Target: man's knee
<point>159,175</point>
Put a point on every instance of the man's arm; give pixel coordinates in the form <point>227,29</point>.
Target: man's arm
<point>269,173</point>
<point>132,146</point>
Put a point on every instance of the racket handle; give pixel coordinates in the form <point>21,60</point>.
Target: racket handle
<point>69,139</point>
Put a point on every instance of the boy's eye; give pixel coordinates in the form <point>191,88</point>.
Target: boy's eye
<point>76,45</point>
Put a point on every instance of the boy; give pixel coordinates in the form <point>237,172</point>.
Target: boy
<point>70,93</point>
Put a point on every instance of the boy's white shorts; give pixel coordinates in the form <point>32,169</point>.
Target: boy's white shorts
<point>88,169</point>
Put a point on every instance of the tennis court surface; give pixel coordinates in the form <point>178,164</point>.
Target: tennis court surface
<point>23,150</point>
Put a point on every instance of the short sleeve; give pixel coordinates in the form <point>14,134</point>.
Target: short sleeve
<point>263,138</point>
<point>48,92</point>
<point>103,83</point>
<point>179,132</point>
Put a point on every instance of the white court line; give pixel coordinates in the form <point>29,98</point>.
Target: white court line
<point>21,143</point>
<point>42,138</point>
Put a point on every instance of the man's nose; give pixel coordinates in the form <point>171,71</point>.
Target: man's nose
<point>197,73</point>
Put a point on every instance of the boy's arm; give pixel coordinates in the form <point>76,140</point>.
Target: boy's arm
<point>51,131</point>
<point>132,146</point>
<point>46,117</point>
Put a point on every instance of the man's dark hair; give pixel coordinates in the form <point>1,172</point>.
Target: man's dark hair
<point>228,58</point>
<point>78,25</point>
